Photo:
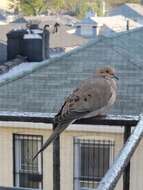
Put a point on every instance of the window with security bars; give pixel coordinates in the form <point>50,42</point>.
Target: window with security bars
<point>27,173</point>
<point>92,160</point>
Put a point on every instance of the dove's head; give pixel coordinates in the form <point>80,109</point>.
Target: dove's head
<point>107,72</point>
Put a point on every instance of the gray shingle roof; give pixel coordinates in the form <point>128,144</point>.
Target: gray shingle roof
<point>129,10</point>
<point>44,90</point>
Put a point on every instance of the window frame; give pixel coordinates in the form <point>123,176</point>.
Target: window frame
<point>77,142</point>
<point>39,138</point>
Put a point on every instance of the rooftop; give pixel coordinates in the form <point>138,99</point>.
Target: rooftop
<point>129,10</point>
<point>114,24</point>
<point>61,39</point>
<point>44,88</point>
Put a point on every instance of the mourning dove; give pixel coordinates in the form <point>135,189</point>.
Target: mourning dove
<point>93,97</point>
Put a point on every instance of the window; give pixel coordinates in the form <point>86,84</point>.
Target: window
<point>92,160</point>
<point>27,173</point>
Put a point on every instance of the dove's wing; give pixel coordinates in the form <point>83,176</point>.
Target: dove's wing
<point>92,95</point>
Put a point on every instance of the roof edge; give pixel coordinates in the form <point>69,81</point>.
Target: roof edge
<point>34,66</point>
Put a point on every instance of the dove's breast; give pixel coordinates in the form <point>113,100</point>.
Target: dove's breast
<point>102,110</point>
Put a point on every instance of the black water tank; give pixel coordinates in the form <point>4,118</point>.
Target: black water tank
<point>15,43</point>
<point>33,47</point>
<point>45,37</point>
<point>45,34</point>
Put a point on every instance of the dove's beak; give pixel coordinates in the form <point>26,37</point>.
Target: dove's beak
<point>114,76</point>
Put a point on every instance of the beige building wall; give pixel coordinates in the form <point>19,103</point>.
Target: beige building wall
<point>67,170</point>
<point>137,168</point>
<point>6,153</point>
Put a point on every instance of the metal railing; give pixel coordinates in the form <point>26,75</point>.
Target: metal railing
<point>15,188</point>
<point>112,176</point>
<point>122,162</point>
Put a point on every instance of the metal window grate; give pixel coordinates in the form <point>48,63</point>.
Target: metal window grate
<point>92,160</point>
<point>27,173</point>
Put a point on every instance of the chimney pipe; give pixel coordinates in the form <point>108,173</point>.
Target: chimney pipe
<point>128,25</point>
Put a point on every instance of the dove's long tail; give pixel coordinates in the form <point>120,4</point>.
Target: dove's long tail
<point>59,128</point>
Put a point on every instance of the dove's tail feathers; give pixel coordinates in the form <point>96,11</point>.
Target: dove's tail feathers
<point>59,128</point>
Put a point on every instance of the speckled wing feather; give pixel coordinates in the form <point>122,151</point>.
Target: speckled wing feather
<point>92,95</point>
